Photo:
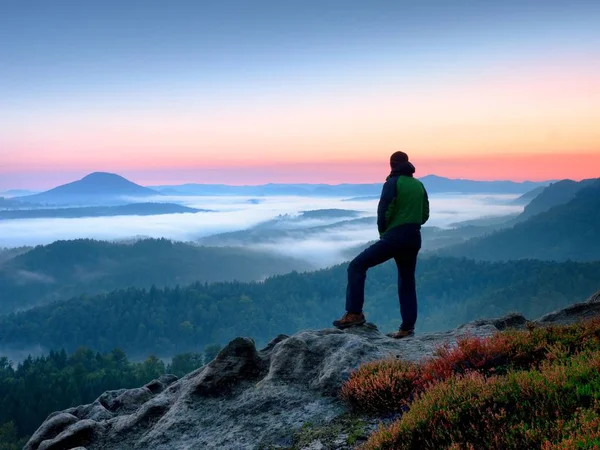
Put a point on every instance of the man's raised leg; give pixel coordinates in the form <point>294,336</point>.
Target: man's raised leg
<point>376,254</point>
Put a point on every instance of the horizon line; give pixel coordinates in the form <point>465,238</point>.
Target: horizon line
<point>272,183</point>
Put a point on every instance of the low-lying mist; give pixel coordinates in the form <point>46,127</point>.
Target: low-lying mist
<point>320,240</point>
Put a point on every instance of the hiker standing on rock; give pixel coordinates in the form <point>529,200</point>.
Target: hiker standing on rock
<point>403,208</point>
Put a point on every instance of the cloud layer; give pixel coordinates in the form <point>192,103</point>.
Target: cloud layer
<point>319,245</point>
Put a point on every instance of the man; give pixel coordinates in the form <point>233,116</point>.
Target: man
<point>403,208</point>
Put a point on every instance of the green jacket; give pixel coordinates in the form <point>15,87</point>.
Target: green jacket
<point>403,201</point>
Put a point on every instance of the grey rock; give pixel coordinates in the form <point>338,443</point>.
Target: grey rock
<point>157,386</point>
<point>52,427</point>
<point>237,362</point>
<point>125,400</point>
<point>94,411</point>
<point>514,320</point>
<point>594,298</point>
<point>316,445</point>
<point>274,342</point>
<point>574,313</point>
<point>168,379</point>
<point>82,432</point>
<point>245,398</point>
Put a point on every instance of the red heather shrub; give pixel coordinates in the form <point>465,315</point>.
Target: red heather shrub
<point>469,354</point>
<point>388,386</point>
<point>382,386</point>
<point>521,410</point>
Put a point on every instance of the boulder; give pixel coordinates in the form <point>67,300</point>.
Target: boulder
<point>52,427</point>
<point>82,432</point>
<point>574,313</point>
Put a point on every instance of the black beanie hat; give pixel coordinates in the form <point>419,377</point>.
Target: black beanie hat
<point>398,158</point>
<point>400,165</point>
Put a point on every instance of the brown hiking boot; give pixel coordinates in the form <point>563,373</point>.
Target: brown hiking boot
<point>400,334</point>
<point>349,320</point>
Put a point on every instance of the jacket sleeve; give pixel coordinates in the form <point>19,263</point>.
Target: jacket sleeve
<point>388,195</point>
<point>425,217</point>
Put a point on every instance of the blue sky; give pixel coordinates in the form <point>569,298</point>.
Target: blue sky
<point>68,62</point>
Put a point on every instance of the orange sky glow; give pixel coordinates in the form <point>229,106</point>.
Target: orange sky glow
<point>535,122</point>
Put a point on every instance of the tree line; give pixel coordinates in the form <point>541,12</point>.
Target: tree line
<point>171,320</point>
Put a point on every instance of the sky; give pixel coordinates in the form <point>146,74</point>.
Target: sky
<point>250,92</point>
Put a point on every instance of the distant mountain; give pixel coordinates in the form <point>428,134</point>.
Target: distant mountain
<point>528,196</point>
<point>95,188</point>
<point>17,193</point>
<point>332,213</point>
<point>433,183</point>
<point>133,209</point>
<point>288,229</point>
<point>567,231</point>
<point>9,203</point>
<point>365,198</point>
<point>69,268</point>
<point>272,189</point>
<point>270,232</point>
<point>556,194</point>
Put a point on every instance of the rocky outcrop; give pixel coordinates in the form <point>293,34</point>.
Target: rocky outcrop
<point>248,398</point>
<point>575,312</point>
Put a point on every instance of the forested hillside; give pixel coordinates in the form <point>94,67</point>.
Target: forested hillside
<point>568,231</point>
<point>65,269</point>
<point>556,194</point>
<point>526,198</point>
<point>9,253</point>
<point>176,320</point>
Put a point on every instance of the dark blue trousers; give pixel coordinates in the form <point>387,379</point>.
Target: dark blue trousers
<point>405,255</point>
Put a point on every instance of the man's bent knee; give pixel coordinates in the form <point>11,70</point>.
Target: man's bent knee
<point>356,266</point>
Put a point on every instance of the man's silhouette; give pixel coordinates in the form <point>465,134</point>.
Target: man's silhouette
<point>403,208</point>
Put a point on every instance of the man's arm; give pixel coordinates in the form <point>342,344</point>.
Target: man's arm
<point>388,195</point>
<point>425,217</point>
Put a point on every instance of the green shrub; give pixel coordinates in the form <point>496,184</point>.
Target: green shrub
<point>581,433</point>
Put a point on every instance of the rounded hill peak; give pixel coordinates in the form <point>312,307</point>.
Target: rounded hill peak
<point>101,175</point>
<point>97,185</point>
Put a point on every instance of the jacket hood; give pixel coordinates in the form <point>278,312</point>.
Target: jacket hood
<point>402,168</point>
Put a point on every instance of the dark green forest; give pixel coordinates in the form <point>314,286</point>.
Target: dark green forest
<point>9,253</point>
<point>133,209</point>
<point>66,269</point>
<point>166,321</point>
<point>39,386</point>
<point>567,231</point>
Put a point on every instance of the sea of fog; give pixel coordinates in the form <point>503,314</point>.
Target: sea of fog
<point>239,213</point>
